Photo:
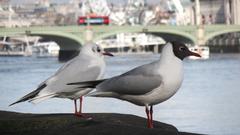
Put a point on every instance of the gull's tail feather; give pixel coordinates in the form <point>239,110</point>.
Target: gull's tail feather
<point>30,95</point>
<point>87,84</point>
<point>41,98</point>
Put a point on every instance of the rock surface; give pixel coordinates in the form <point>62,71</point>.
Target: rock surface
<point>12,123</point>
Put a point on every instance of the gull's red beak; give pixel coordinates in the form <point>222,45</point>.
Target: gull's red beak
<point>194,54</point>
<point>108,54</point>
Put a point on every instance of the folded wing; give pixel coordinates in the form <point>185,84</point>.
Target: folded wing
<point>138,81</point>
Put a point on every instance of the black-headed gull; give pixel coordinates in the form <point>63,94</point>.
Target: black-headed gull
<point>149,84</point>
<point>88,65</point>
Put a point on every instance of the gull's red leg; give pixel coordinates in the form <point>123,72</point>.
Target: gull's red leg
<point>151,116</point>
<point>80,107</point>
<point>148,117</point>
<point>75,106</point>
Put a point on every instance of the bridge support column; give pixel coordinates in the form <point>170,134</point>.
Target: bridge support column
<point>200,35</point>
<point>88,34</point>
<point>199,23</point>
<point>156,49</point>
<point>65,55</point>
<point>197,12</point>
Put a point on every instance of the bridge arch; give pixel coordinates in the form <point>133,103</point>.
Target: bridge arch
<point>59,37</point>
<point>69,44</point>
<point>217,33</point>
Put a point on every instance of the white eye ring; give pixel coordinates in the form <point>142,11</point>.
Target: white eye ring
<point>182,48</point>
<point>93,50</point>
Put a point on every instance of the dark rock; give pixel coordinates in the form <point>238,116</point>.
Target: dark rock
<point>12,123</point>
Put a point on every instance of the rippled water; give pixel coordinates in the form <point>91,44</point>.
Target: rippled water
<point>208,101</point>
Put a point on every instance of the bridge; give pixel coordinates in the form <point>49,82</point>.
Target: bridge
<point>70,38</point>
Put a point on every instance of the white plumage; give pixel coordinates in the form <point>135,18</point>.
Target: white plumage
<point>88,65</point>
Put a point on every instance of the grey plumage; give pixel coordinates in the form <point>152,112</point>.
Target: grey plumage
<point>88,65</point>
<point>126,83</point>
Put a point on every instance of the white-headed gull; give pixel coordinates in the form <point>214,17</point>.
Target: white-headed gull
<point>88,65</point>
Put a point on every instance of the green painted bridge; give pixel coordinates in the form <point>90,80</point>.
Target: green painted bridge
<point>72,37</point>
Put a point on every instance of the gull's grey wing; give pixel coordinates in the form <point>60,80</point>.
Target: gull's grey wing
<point>77,70</point>
<point>66,65</point>
<point>138,81</point>
<point>60,83</point>
<point>89,74</point>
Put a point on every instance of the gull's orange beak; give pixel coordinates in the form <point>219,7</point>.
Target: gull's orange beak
<point>194,54</point>
<point>108,54</point>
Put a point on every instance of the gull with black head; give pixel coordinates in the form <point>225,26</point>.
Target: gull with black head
<point>149,84</point>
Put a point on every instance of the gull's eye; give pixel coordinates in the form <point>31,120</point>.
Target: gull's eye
<point>181,48</point>
<point>98,49</point>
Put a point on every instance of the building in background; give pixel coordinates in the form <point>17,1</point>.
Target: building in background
<point>232,11</point>
<point>217,12</point>
<point>131,12</point>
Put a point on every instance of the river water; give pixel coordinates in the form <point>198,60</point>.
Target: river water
<point>207,103</point>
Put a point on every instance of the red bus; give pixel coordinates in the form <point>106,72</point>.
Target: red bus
<point>95,20</point>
